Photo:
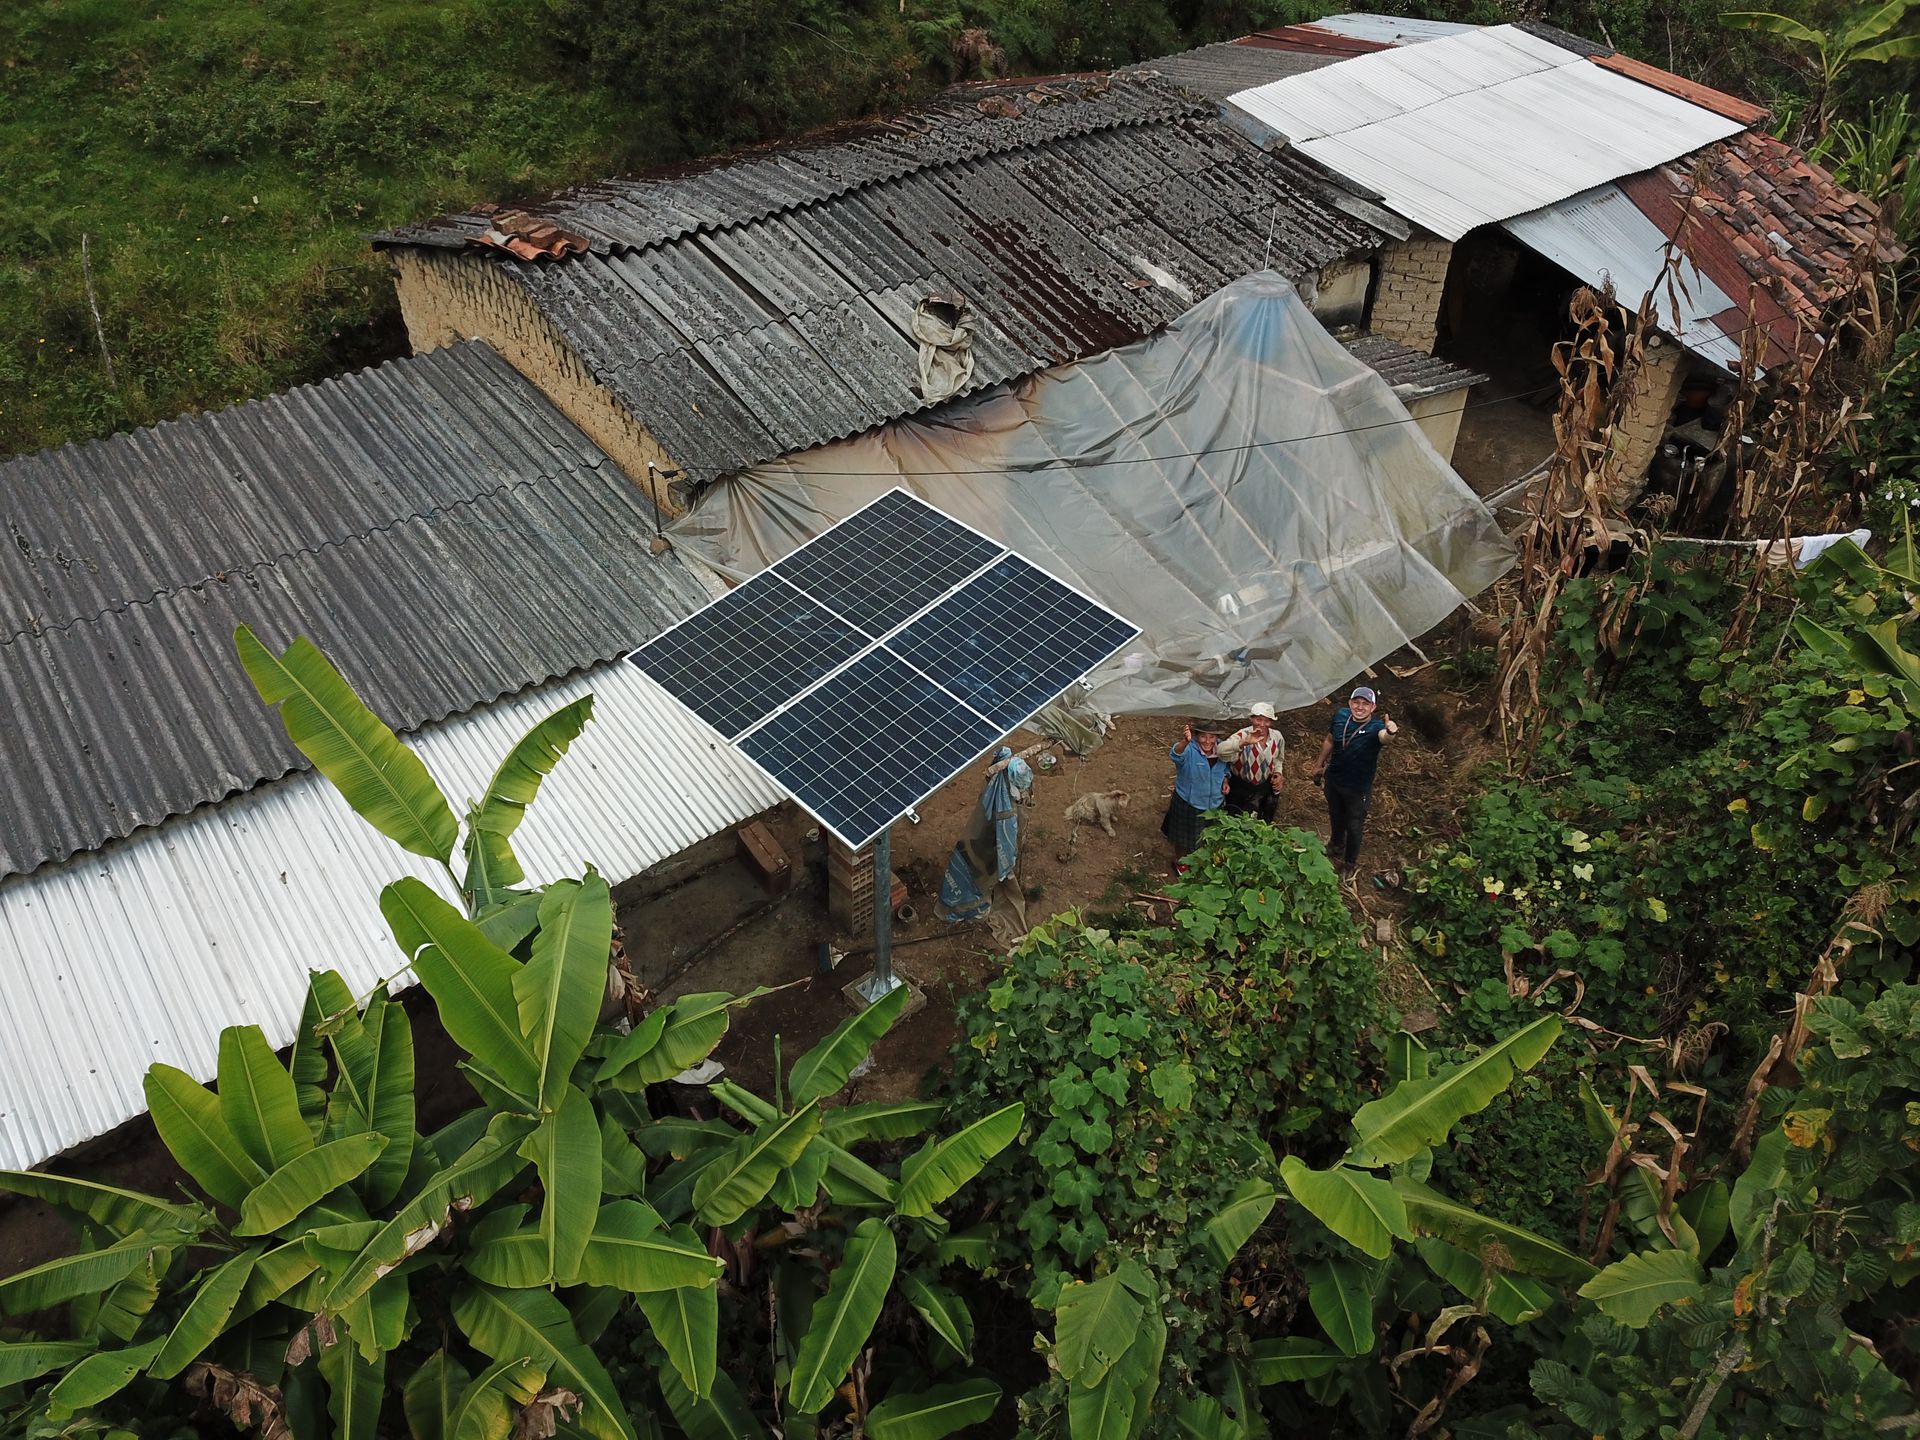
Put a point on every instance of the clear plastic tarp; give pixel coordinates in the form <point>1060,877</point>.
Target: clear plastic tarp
<point>1239,486</point>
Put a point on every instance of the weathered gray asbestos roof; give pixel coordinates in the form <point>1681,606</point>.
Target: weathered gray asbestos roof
<point>1230,67</point>
<point>1089,223</point>
<point>1413,374</point>
<point>434,524</point>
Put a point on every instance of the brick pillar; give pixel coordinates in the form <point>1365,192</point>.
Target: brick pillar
<point>1406,297</point>
<point>850,889</point>
<point>1637,437</point>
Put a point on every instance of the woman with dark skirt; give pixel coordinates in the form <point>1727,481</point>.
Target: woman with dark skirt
<point>1199,786</point>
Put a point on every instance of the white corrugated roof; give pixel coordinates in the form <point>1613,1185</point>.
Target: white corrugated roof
<point>1601,235</point>
<point>1474,128</point>
<point>143,950</point>
<point>1390,29</point>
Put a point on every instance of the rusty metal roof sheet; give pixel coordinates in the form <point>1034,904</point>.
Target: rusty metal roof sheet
<point>740,342</point>
<point>434,524</point>
<point>1692,91</point>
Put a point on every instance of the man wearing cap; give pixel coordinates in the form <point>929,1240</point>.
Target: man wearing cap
<point>1255,754</point>
<point>1347,763</point>
<point>1199,784</point>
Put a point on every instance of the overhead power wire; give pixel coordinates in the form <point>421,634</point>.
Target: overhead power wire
<point>431,512</point>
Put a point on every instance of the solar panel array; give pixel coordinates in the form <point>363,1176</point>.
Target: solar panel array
<point>878,660</point>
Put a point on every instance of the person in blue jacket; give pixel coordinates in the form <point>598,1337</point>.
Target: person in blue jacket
<point>1346,769</point>
<point>1199,786</point>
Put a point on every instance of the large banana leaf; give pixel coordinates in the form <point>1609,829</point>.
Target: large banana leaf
<point>257,1099</point>
<point>1417,1114</point>
<point>1341,1294</point>
<point>275,1273</point>
<point>355,1388</point>
<point>29,1360</point>
<point>631,1250</point>
<point>1119,1404</point>
<point>723,1415</point>
<point>388,1098</point>
<point>565,1149</point>
<point>432,1396</point>
<point>1293,1357</point>
<point>683,1037</point>
<point>491,864</point>
<point>476,1177</point>
<point>623,1169</point>
<point>386,783</point>
<point>1096,1320</point>
<point>516,1261</point>
<point>488,1407</point>
<point>1361,1209</point>
<point>558,992</point>
<point>1243,1214</point>
<point>934,1172</point>
<point>931,1414</point>
<point>881,1119</point>
<point>1633,1289</point>
<point>98,1378</point>
<point>119,1212</point>
<point>533,1325</point>
<point>190,1124</point>
<point>300,1184</point>
<point>1519,1250</point>
<point>91,1272</point>
<point>686,1322</point>
<point>1201,1417</point>
<point>944,1312</point>
<point>471,980</point>
<point>1774,24</point>
<point>206,1316</point>
<point>746,1170</point>
<point>121,1312</point>
<point>377,1321</point>
<point>844,1319</point>
<point>1512,1298</point>
<point>327,997</point>
<point>850,1180</point>
<point>825,1068</point>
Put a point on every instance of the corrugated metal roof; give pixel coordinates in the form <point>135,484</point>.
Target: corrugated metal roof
<point>1413,374</point>
<point>1600,235</point>
<point>1225,69</point>
<point>962,123</point>
<point>1478,127</point>
<point>745,342</point>
<point>434,524</point>
<point>144,950</point>
<point>1388,29</point>
<point>1718,101</point>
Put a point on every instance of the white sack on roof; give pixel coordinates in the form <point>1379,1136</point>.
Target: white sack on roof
<point>1473,128</point>
<point>1241,487</point>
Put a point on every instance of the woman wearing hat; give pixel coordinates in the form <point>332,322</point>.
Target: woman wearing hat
<point>988,851</point>
<point>1255,755</point>
<point>1348,761</point>
<point>1199,784</point>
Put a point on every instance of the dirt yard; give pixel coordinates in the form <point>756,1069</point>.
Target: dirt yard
<point>704,922</point>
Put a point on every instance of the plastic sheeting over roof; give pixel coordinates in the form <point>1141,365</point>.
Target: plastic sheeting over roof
<point>1601,235</point>
<point>1474,128</point>
<point>1241,486</point>
<point>144,950</point>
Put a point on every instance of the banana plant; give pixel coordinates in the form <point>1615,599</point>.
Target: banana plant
<point>793,1184</point>
<point>1864,37</point>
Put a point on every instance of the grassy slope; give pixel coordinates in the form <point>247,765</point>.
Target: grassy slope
<point>227,160</point>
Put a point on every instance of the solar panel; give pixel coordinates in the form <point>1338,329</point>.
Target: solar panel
<point>867,746</point>
<point>887,562</point>
<point>749,654</point>
<point>878,660</point>
<point>1011,640</point>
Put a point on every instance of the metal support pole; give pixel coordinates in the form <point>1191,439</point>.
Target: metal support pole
<point>882,981</point>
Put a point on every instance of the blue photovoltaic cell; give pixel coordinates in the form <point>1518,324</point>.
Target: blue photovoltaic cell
<point>878,567</point>
<point>748,653</point>
<point>868,745</point>
<point>1011,641</point>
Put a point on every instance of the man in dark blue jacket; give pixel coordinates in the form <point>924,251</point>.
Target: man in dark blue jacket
<point>1346,767</point>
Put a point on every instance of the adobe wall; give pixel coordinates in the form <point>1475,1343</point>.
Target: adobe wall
<point>447,296</point>
<point>1407,294</point>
